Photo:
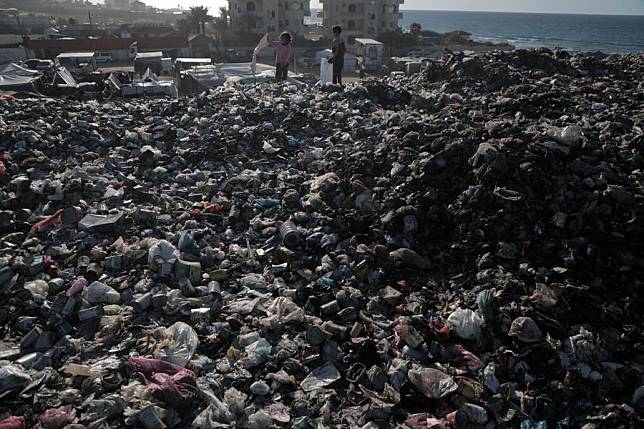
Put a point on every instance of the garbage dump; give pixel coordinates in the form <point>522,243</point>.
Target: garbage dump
<point>461,248</point>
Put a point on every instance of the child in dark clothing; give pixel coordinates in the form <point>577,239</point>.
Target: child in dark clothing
<point>338,49</point>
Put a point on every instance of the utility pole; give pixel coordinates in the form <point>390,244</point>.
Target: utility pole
<point>23,34</point>
<point>91,24</point>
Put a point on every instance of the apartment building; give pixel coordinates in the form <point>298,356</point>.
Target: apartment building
<point>362,18</point>
<point>269,16</point>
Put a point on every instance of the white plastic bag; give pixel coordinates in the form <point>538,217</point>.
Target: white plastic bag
<point>263,43</point>
<point>465,323</point>
<point>326,71</point>
<point>182,342</point>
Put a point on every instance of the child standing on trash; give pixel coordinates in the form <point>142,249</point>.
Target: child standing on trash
<point>338,49</point>
<point>282,55</point>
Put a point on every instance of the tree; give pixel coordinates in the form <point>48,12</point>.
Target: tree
<point>185,26</point>
<point>394,41</point>
<point>415,28</point>
<point>221,23</point>
<point>199,17</point>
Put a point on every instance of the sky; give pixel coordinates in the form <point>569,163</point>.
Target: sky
<point>607,7</point>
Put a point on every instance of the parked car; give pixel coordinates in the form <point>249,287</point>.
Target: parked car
<point>103,57</point>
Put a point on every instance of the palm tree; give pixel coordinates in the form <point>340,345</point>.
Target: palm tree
<point>415,28</point>
<point>221,23</point>
<point>199,16</point>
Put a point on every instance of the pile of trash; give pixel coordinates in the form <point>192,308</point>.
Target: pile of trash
<point>448,250</point>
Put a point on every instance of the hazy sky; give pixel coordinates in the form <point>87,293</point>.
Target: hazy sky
<point>626,7</point>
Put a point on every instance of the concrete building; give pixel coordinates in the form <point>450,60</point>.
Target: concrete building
<point>362,18</point>
<point>13,21</point>
<point>118,4</point>
<point>269,16</point>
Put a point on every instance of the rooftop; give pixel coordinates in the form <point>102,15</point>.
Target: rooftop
<point>368,41</point>
<point>76,55</point>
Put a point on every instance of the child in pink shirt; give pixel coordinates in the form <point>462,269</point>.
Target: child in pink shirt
<point>282,56</point>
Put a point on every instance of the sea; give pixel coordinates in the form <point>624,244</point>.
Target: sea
<point>588,33</point>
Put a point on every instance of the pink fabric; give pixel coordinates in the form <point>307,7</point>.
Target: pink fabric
<point>282,52</point>
<point>54,219</point>
<point>461,357</point>
<point>170,383</point>
<point>56,418</point>
<point>13,422</point>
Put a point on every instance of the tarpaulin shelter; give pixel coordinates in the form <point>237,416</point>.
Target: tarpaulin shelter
<point>151,85</point>
<point>18,79</point>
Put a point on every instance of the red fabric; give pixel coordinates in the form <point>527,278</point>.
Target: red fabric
<point>3,169</point>
<point>56,418</point>
<point>439,328</point>
<point>461,357</point>
<point>168,382</point>
<point>13,422</point>
<point>54,219</point>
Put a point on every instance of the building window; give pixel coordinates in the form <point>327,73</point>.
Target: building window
<point>250,6</point>
<point>287,23</point>
<point>352,8</point>
<point>352,25</point>
<point>273,14</point>
<point>286,6</point>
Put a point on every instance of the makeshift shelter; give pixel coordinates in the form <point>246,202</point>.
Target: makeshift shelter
<point>148,60</point>
<point>187,63</point>
<point>150,85</point>
<point>201,78</point>
<point>18,79</point>
<point>370,53</point>
<point>77,60</point>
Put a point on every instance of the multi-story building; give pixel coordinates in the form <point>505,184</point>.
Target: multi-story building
<point>362,18</point>
<point>118,4</point>
<point>269,16</point>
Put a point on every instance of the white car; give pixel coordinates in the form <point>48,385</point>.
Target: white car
<point>103,57</point>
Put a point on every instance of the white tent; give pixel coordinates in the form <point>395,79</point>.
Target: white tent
<point>16,70</point>
<point>19,79</point>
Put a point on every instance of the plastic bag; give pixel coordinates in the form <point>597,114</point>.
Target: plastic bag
<point>570,135</point>
<point>286,310</point>
<point>326,71</point>
<point>320,377</point>
<point>188,244</point>
<point>466,323</point>
<point>100,293</point>
<point>431,382</point>
<point>183,343</point>
<point>163,250</point>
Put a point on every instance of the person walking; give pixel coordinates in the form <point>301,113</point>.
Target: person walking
<point>338,49</point>
<point>282,55</point>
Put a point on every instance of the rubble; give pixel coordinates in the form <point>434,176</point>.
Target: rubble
<point>460,248</point>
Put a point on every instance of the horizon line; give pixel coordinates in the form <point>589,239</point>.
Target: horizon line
<point>514,11</point>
